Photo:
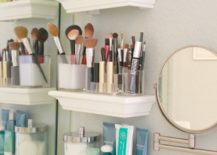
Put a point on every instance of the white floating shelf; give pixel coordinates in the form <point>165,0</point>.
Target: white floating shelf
<point>23,9</point>
<point>116,106</point>
<point>26,96</point>
<point>73,6</point>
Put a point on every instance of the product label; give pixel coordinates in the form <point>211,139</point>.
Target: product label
<point>122,141</point>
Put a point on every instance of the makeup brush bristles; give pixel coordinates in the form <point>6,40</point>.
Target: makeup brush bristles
<point>14,45</point>
<point>21,32</point>
<point>90,43</point>
<point>53,29</point>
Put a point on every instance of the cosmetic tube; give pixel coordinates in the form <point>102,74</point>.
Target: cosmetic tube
<point>134,88</point>
<point>94,86</point>
<point>11,122</point>
<point>101,76</point>
<point>110,77</point>
<point>109,137</point>
<point>124,139</point>
<point>21,119</point>
<point>9,143</point>
<point>89,56</point>
<point>15,68</point>
<point>5,118</point>
<point>142,136</point>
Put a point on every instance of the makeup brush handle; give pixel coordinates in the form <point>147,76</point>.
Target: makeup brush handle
<point>41,48</point>
<point>72,43</point>
<point>36,47</point>
<point>27,45</point>
<point>59,45</point>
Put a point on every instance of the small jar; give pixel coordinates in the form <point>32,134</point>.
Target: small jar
<point>81,143</point>
<point>31,140</point>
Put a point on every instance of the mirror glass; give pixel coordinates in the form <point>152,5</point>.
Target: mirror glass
<point>187,89</point>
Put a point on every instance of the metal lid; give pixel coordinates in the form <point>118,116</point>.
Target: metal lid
<point>81,137</point>
<point>31,129</point>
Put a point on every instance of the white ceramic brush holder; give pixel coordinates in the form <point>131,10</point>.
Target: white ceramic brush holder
<point>34,71</point>
<point>70,76</point>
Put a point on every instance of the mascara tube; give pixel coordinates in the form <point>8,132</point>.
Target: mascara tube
<point>134,74</point>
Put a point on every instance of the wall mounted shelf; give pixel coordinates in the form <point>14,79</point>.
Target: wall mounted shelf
<point>73,6</point>
<point>116,106</point>
<point>24,9</point>
<point>26,96</point>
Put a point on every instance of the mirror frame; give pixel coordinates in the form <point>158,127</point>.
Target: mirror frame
<point>190,131</point>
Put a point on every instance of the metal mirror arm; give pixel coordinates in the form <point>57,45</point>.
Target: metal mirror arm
<point>179,144</point>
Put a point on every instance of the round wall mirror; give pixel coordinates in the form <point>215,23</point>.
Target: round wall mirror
<point>187,89</point>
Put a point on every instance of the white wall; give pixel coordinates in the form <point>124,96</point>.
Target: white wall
<point>172,24</point>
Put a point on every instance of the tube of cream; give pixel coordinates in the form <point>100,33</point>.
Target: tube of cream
<point>142,136</point>
<point>21,119</point>
<point>9,143</point>
<point>109,136</point>
<point>124,139</point>
<point>5,117</point>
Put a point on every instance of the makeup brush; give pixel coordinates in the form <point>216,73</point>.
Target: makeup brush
<point>107,50</point>
<point>126,47</point>
<point>72,32</point>
<point>88,33</point>
<point>42,37</point>
<point>90,45</point>
<point>122,40</point>
<point>14,47</point>
<point>103,54</point>
<point>115,51</point>
<point>78,42</point>
<point>53,30</point>
<point>22,33</point>
<point>35,35</point>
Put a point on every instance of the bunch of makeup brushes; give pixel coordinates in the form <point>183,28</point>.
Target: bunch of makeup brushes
<point>22,46</point>
<point>79,45</point>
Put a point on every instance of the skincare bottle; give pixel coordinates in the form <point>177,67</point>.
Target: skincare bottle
<point>9,144</point>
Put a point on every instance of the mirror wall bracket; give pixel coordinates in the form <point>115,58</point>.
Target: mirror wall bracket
<point>179,144</point>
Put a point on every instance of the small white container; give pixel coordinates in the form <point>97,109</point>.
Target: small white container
<point>34,71</point>
<point>71,76</point>
<point>31,140</point>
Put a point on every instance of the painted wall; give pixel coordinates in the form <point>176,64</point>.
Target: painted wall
<point>172,24</point>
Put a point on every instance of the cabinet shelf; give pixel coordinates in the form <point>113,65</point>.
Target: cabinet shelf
<point>73,6</point>
<point>26,96</point>
<point>24,9</point>
<point>108,105</point>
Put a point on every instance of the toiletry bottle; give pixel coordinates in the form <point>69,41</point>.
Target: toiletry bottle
<point>9,136</point>
<point>31,140</point>
<point>1,139</point>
